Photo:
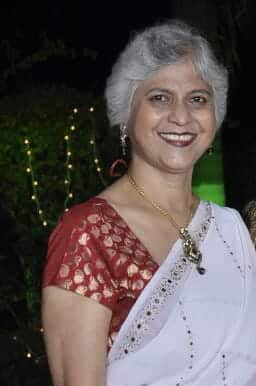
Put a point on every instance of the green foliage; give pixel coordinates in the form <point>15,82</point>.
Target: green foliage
<point>44,116</point>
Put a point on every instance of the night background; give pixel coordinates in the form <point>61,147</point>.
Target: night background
<point>56,147</point>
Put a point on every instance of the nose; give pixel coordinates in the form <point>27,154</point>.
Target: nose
<point>179,113</point>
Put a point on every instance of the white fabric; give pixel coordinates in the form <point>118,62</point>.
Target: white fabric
<point>194,330</point>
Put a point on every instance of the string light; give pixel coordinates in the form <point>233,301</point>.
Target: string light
<point>94,148</point>
<point>36,183</point>
<point>28,352</point>
<point>67,180</point>
<point>69,167</point>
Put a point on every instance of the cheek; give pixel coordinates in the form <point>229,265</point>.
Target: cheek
<point>139,124</point>
<point>208,122</point>
<point>146,121</point>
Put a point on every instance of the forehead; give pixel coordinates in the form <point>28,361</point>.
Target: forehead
<point>182,75</point>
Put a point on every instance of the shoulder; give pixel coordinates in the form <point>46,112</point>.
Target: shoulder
<point>79,212</point>
<point>225,214</point>
<point>81,219</point>
<point>230,223</point>
<point>78,216</point>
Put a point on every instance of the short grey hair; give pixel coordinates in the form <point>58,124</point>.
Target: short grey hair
<point>154,47</point>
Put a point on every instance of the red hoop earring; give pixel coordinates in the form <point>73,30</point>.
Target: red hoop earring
<point>117,172</point>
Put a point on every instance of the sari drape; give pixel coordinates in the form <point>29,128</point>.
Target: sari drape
<point>190,329</point>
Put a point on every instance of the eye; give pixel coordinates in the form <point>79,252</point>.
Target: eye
<point>199,99</point>
<point>162,98</point>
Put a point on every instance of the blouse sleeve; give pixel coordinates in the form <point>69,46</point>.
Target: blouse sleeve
<point>76,260</point>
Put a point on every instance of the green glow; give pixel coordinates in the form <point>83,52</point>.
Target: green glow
<point>212,192</point>
<point>208,176</point>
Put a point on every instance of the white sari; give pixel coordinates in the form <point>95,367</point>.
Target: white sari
<point>191,329</point>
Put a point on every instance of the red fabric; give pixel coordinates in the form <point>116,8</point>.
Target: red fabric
<point>93,252</point>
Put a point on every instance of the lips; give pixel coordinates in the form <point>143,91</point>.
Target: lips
<point>178,139</point>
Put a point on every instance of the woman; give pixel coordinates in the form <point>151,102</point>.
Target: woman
<point>146,284</point>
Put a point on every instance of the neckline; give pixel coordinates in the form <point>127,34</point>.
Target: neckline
<point>191,223</point>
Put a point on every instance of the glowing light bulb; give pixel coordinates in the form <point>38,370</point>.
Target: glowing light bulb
<point>29,152</point>
<point>66,137</point>
<point>28,170</point>
<point>70,195</point>
<point>72,128</point>
<point>69,153</point>
<point>66,182</point>
<point>35,183</point>
<point>75,111</point>
<point>91,109</point>
<point>98,169</point>
<point>33,197</point>
<point>29,355</point>
<point>40,211</point>
<point>66,210</point>
<point>91,141</point>
<point>70,166</point>
<point>96,160</point>
<point>26,141</point>
<point>41,329</point>
<point>44,223</point>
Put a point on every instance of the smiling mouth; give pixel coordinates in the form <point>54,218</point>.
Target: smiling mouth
<point>178,139</point>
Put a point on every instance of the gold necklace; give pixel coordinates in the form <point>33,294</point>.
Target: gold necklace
<point>190,250</point>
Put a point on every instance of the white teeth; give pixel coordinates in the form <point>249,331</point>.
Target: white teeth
<point>177,137</point>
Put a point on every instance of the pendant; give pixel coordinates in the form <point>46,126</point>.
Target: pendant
<point>191,251</point>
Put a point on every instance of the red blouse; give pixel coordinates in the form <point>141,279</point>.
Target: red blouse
<point>94,253</point>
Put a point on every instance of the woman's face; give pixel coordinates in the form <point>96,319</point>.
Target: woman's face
<point>172,120</point>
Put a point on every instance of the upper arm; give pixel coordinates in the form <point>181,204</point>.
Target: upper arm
<point>75,332</point>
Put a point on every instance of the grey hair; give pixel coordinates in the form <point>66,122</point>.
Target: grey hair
<point>154,47</point>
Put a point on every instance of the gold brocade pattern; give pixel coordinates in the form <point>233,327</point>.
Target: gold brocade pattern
<point>103,260</point>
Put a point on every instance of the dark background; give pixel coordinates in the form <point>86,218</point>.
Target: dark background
<point>100,26</point>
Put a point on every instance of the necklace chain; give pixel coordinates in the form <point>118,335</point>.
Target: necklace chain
<point>190,249</point>
<point>161,210</point>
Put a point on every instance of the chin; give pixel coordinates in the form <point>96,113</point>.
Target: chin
<point>179,169</point>
<point>180,166</point>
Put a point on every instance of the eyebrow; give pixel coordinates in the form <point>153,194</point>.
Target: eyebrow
<point>166,90</point>
<point>159,90</point>
<point>202,91</point>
